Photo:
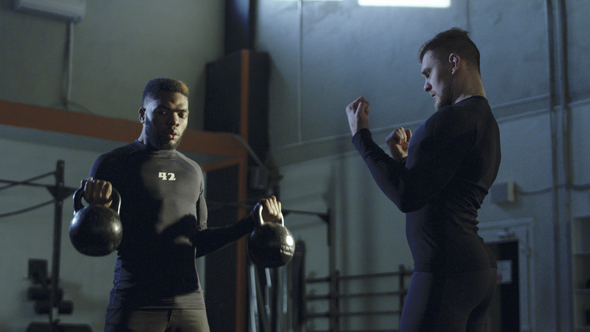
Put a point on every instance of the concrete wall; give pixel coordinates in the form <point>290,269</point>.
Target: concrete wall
<point>117,48</point>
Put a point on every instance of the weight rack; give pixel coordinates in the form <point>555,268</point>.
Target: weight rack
<point>52,303</point>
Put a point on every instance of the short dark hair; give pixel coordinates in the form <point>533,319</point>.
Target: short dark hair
<point>455,40</point>
<point>158,85</point>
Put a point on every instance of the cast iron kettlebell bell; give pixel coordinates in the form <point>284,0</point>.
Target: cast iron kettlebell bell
<point>270,244</point>
<point>96,230</point>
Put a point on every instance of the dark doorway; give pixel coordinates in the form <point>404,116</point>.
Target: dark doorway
<point>504,313</point>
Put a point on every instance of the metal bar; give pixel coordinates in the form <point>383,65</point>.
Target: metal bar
<point>393,293</point>
<point>317,297</point>
<point>373,275</point>
<point>262,310</point>
<point>334,295</point>
<point>345,296</point>
<point>318,315</point>
<point>360,276</point>
<point>355,313</point>
<point>26,182</point>
<point>31,208</point>
<point>371,313</point>
<point>334,302</point>
<point>253,299</point>
<point>356,331</point>
<point>314,280</point>
<point>59,184</point>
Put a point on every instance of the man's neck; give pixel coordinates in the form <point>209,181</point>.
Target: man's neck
<point>470,88</point>
<point>142,137</point>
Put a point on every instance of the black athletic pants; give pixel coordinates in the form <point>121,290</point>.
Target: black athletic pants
<point>156,320</point>
<point>449,302</point>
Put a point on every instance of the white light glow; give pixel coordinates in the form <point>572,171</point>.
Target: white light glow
<point>407,3</point>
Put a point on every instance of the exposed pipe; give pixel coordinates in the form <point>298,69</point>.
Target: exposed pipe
<point>56,258</point>
<point>560,122</point>
<point>566,155</point>
<point>300,72</point>
<point>554,170</point>
<point>70,62</point>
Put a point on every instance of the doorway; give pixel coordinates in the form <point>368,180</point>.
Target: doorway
<point>510,240</point>
<point>504,312</point>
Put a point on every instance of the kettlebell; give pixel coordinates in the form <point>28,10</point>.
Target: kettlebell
<point>96,230</point>
<point>270,244</point>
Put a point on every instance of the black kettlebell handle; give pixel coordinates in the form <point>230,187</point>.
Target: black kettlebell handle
<point>80,192</point>
<point>261,222</point>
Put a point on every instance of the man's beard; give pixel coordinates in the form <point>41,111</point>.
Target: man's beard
<point>446,97</point>
<point>155,141</point>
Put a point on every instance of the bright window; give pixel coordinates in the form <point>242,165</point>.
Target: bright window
<point>407,3</point>
<point>396,3</point>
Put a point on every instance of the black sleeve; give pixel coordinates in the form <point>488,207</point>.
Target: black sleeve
<point>94,171</point>
<point>207,239</point>
<point>387,173</point>
<point>210,239</point>
<point>435,161</point>
<point>108,166</point>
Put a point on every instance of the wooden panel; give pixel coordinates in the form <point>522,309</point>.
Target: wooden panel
<point>113,129</point>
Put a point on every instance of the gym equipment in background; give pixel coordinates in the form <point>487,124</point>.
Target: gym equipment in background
<point>48,296</point>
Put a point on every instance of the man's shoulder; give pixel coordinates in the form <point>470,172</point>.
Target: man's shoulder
<point>475,105</point>
<point>122,150</point>
<point>188,160</point>
<point>117,155</point>
<point>467,111</point>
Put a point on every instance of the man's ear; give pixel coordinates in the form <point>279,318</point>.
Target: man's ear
<point>141,113</point>
<point>455,61</point>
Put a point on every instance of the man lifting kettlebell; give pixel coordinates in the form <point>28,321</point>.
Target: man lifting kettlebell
<point>164,217</point>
